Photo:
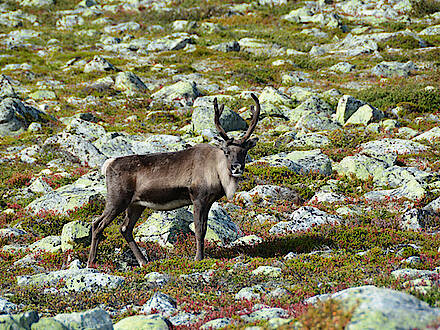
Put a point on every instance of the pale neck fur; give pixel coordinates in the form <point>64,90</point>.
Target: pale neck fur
<point>228,182</point>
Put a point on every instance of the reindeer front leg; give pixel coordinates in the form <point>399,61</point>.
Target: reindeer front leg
<point>201,211</point>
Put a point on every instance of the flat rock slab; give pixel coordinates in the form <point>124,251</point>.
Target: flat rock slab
<point>310,161</point>
<point>304,218</point>
<point>381,308</point>
<point>91,319</point>
<point>394,146</point>
<point>86,279</point>
<point>143,322</point>
<point>88,188</point>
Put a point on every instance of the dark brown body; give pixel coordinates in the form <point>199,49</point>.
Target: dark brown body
<point>163,181</point>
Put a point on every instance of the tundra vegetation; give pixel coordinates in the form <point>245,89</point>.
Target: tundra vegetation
<point>337,212</point>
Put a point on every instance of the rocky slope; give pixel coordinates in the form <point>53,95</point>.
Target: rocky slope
<point>336,220</point>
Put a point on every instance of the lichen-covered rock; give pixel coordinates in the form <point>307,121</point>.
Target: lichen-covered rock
<point>343,67</point>
<point>12,232</point>
<point>88,188</point>
<point>221,229</point>
<point>96,318</point>
<point>396,176</point>
<point>165,227</point>
<point>142,322</point>
<point>382,308</point>
<point>268,271</point>
<point>311,105</point>
<point>310,161</point>
<point>6,307</point>
<point>411,190</point>
<point>390,69</point>
<point>266,314</point>
<point>129,83</point>
<point>226,47</point>
<point>175,41</point>
<point>74,233</point>
<point>432,135</point>
<point>157,278</point>
<point>365,115</point>
<point>361,166</point>
<point>6,88</point>
<point>304,218</point>
<point>48,244</point>
<point>69,21</point>
<point>347,106</point>
<point>260,47</point>
<point>248,240</point>
<point>18,321</point>
<point>122,27</point>
<point>98,64</point>
<point>386,146</point>
<point>48,323</point>
<point>203,117</point>
<point>274,103</point>
<point>217,324</point>
<point>85,129</point>
<point>417,219</point>
<point>268,193</point>
<point>184,92</point>
<point>252,292</point>
<point>43,95</point>
<point>74,279</point>
<point>160,303</point>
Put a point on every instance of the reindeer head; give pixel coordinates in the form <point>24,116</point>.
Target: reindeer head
<point>236,150</point>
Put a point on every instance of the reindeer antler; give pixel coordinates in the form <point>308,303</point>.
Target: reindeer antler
<point>217,114</point>
<point>254,121</point>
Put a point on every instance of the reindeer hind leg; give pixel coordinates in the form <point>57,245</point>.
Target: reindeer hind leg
<point>133,213</point>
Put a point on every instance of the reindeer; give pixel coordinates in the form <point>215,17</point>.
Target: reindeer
<point>199,175</point>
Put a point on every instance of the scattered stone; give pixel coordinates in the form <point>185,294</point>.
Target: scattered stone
<point>129,83</point>
<point>250,293</point>
<point>122,27</point>
<point>274,103</point>
<point>175,41</point>
<point>417,219</point>
<point>217,324</point>
<point>268,193</point>
<point>49,244</point>
<point>98,64</point>
<point>230,46</point>
<point>160,303</point>
<point>6,307</point>
<point>19,321</point>
<point>11,232</point>
<point>268,271</point>
<point>143,322</point>
<point>304,218</point>
<point>266,314</point>
<point>379,148</point>
<point>69,21</point>
<point>390,69</point>
<point>74,233</point>
<point>433,135</point>
<point>96,318</point>
<point>184,92</point>
<point>384,308</point>
<point>343,67</point>
<point>412,190</point>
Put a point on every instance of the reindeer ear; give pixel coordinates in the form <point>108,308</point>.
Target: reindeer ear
<point>251,143</point>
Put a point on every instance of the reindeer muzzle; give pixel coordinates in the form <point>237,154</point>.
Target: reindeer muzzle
<point>237,170</point>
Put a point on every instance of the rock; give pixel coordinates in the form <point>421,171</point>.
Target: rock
<point>417,219</point>
<point>347,106</point>
<point>173,42</point>
<point>203,117</point>
<point>183,25</point>
<point>365,115</point>
<point>307,140</point>
<point>48,323</point>
<point>309,15</point>
<point>11,232</point>
<point>327,197</point>
<point>129,83</point>
<point>411,190</point>
<point>69,21</point>
<point>396,176</point>
<point>165,227</point>
<point>184,92</point>
<point>274,103</point>
<point>431,30</point>
<point>250,293</point>
<point>343,67</point>
<point>361,166</point>
<point>143,322</point>
<point>311,105</point>
<point>412,274</point>
<point>433,206</point>
<point>249,240</point>
<point>87,130</point>
<point>74,279</point>
<point>226,47</point>
<point>15,116</point>
<point>217,324</point>
<point>98,64</point>
<point>43,95</point>
<point>160,303</point>
<point>74,233</point>
<point>384,308</point>
<point>37,3</point>
<point>6,307</point>
<point>304,218</point>
<point>265,314</point>
<point>269,193</point>
<point>81,149</point>
<point>268,271</point>
<point>122,27</point>
<point>96,318</point>
<point>301,161</point>
<point>432,135</point>
<point>296,77</point>
<point>6,88</point>
<point>88,188</point>
<point>260,48</point>
<point>157,278</point>
<point>390,69</point>
<point>18,321</point>
<point>221,229</point>
<point>49,244</point>
<point>378,148</point>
